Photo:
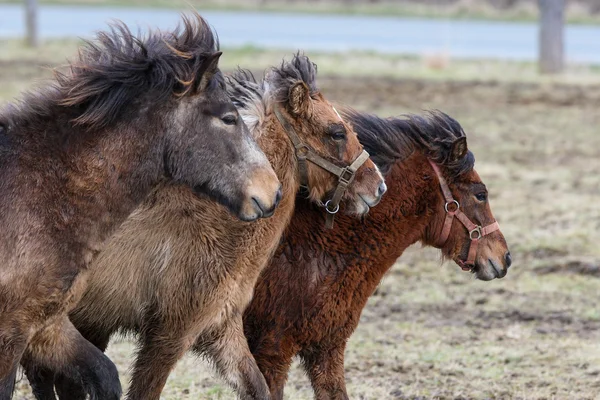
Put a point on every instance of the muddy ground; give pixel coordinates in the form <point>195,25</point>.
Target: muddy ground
<point>433,332</point>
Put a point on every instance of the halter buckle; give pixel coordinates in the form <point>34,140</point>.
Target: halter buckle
<point>334,211</point>
<point>453,202</point>
<point>346,176</point>
<point>302,151</point>
<point>477,231</point>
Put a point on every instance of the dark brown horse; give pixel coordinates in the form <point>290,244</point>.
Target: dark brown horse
<point>309,299</point>
<point>77,157</point>
<point>181,270</point>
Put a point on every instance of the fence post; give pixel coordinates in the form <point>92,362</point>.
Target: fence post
<point>551,45</point>
<point>31,8</point>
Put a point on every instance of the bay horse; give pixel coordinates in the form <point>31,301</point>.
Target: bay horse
<point>181,271</point>
<point>77,157</point>
<point>308,301</point>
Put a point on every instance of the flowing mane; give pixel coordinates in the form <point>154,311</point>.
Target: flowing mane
<point>117,68</point>
<point>389,140</point>
<point>281,79</point>
<point>253,98</point>
<point>248,95</point>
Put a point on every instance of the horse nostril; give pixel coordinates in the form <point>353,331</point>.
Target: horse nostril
<point>258,206</point>
<point>508,259</point>
<point>382,189</point>
<point>278,197</point>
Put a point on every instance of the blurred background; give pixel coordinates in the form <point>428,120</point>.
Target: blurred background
<point>522,77</point>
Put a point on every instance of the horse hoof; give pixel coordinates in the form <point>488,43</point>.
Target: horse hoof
<point>103,380</point>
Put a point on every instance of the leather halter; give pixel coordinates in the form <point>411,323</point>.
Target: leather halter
<point>304,153</point>
<point>452,208</point>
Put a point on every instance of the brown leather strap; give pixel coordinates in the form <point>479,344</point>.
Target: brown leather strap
<point>346,176</point>
<point>493,227</point>
<point>452,208</point>
<point>490,228</point>
<point>443,184</point>
<point>446,229</point>
<point>325,164</point>
<point>304,152</point>
<point>466,222</point>
<point>472,254</point>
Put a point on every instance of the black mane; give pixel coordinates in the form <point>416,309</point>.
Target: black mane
<point>281,79</point>
<point>117,68</point>
<point>393,139</point>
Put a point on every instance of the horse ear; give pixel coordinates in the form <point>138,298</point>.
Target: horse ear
<point>209,68</point>
<point>459,149</point>
<point>299,97</point>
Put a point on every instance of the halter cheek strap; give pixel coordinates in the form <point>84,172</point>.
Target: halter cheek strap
<point>452,208</point>
<point>304,154</point>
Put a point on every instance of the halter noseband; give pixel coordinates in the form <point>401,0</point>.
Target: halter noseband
<point>304,153</point>
<point>452,208</point>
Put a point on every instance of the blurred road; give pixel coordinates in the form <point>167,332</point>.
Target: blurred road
<point>463,39</point>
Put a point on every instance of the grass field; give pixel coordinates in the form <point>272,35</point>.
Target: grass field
<point>431,331</point>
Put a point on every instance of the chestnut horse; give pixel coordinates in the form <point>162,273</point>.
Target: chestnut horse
<point>181,270</point>
<point>77,157</point>
<point>309,299</point>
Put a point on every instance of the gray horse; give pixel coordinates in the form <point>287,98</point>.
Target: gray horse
<point>78,157</point>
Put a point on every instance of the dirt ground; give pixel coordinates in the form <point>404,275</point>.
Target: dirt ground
<point>433,332</point>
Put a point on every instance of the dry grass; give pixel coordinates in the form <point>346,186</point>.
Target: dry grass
<point>431,331</point>
<point>22,68</point>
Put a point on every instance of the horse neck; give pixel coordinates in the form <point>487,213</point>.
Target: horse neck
<point>109,172</point>
<point>259,240</point>
<point>280,152</point>
<point>137,156</point>
<point>358,253</point>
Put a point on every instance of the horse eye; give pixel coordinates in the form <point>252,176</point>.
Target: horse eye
<point>337,132</point>
<point>229,119</point>
<point>481,196</point>
<point>338,135</point>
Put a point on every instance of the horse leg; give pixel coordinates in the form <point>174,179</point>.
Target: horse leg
<point>13,342</point>
<point>66,387</point>
<point>7,383</point>
<point>325,368</point>
<point>41,380</point>
<point>159,351</point>
<point>274,361</point>
<point>60,348</point>
<point>228,348</point>
<point>276,379</point>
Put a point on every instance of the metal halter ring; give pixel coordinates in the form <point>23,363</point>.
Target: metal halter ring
<point>334,211</point>
<point>476,230</point>
<point>452,202</point>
